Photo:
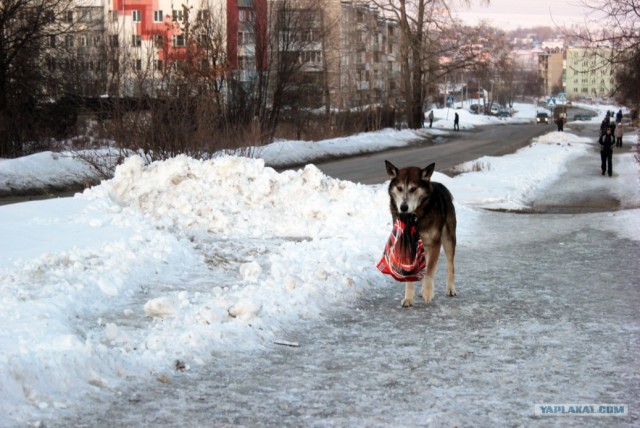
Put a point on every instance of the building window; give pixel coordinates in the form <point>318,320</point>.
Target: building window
<point>83,41</point>
<point>178,40</point>
<point>157,16</point>
<point>136,40</point>
<point>97,41</point>
<point>52,41</point>
<point>158,40</point>
<point>246,63</point>
<point>246,15</point>
<point>68,41</point>
<point>114,41</point>
<point>311,57</point>
<point>136,15</point>
<point>159,64</point>
<point>203,15</point>
<point>69,16</point>
<point>114,16</point>
<point>138,64</point>
<point>177,15</point>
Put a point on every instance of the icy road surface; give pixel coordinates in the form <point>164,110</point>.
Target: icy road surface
<point>547,312</point>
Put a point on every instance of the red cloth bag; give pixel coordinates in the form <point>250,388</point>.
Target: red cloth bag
<point>403,256</point>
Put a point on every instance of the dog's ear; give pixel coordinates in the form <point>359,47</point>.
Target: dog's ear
<point>426,173</point>
<point>391,170</point>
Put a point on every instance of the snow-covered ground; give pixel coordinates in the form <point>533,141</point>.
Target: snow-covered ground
<point>168,264</point>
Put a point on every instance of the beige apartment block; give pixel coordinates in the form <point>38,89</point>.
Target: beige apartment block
<point>589,73</point>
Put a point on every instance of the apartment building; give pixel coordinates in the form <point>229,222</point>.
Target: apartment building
<point>551,69</point>
<point>367,71</point>
<point>589,72</point>
<point>348,53</point>
<point>126,47</point>
<point>347,49</point>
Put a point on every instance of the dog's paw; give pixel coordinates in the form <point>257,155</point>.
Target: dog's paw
<point>407,303</point>
<point>451,293</point>
<point>427,294</point>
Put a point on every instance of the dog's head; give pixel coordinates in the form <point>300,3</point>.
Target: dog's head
<point>409,187</point>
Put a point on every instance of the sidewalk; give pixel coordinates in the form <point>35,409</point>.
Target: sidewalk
<point>597,193</point>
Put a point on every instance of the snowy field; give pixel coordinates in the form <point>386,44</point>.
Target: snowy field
<point>167,265</point>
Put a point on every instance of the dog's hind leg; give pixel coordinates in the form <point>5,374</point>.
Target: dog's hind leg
<point>449,244</point>
<point>407,302</point>
<point>433,253</point>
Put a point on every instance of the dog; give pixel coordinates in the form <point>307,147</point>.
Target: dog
<point>411,191</point>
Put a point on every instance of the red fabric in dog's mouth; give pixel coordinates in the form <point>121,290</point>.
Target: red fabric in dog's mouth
<point>403,256</point>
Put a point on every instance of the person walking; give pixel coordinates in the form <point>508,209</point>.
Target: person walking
<point>604,126</point>
<point>430,118</point>
<point>619,116</point>
<point>606,152</point>
<point>560,123</point>
<point>456,122</point>
<point>618,133</point>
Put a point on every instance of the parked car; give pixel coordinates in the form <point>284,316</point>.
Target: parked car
<point>582,116</point>
<point>504,113</point>
<point>542,117</point>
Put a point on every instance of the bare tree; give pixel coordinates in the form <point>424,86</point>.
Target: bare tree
<point>421,22</point>
<point>28,30</point>
<point>297,62</point>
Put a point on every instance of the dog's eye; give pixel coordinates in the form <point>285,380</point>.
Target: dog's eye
<point>399,188</point>
<point>413,189</point>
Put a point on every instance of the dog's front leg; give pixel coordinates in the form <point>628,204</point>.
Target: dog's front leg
<point>432,255</point>
<point>407,302</point>
<point>427,288</point>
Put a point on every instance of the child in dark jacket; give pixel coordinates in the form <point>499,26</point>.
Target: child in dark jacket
<point>606,151</point>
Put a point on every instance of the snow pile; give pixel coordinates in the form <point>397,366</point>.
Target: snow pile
<point>177,261</point>
<point>62,170</point>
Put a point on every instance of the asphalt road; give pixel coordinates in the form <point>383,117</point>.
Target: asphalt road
<point>451,150</point>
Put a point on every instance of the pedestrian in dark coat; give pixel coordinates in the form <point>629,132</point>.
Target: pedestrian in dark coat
<point>604,125</point>
<point>606,152</point>
<point>560,123</point>
<point>430,118</point>
<point>619,116</point>
<point>456,122</point>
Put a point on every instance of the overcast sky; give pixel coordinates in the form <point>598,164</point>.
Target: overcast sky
<point>511,14</point>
